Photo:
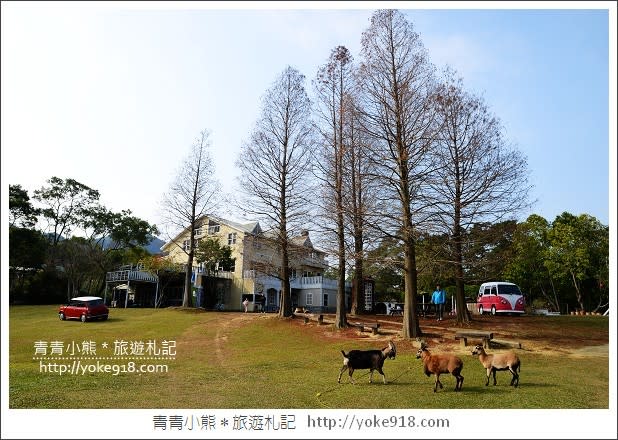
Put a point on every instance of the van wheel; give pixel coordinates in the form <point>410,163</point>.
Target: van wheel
<point>61,316</point>
<point>493,310</point>
<point>481,310</point>
<point>83,318</point>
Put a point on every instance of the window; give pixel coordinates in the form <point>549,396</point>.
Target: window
<point>325,300</point>
<point>310,299</point>
<point>213,228</point>
<point>198,231</point>
<point>368,295</point>
<point>231,238</point>
<point>186,245</point>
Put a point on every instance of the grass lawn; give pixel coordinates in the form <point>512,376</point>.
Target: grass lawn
<point>236,360</point>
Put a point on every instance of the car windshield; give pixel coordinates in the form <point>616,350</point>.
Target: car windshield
<point>508,289</point>
<point>95,302</point>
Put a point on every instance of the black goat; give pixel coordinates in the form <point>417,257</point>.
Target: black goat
<point>367,359</point>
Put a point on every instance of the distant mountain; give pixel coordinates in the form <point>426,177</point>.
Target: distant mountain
<point>153,247</point>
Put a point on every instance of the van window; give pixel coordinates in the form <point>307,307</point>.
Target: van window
<point>486,291</point>
<point>494,290</point>
<point>509,289</point>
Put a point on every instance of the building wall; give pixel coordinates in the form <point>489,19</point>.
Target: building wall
<point>249,252</point>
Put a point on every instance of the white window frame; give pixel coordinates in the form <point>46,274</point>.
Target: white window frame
<point>231,238</point>
<point>309,299</point>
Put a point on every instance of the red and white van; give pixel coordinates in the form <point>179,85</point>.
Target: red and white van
<point>500,297</point>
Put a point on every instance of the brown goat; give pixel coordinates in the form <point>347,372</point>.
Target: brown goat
<point>441,364</point>
<point>499,362</point>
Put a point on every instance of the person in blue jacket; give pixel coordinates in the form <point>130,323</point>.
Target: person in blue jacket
<point>439,299</point>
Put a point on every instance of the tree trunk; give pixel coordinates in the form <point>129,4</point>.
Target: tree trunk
<point>411,327</point>
<point>186,298</point>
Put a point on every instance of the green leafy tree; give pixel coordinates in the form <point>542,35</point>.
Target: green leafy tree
<point>213,255</point>
<point>75,257</point>
<point>21,211</point>
<point>385,267</point>
<point>433,262</point>
<point>111,239</point>
<point>527,266</point>
<point>578,250</point>
<point>487,247</point>
<point>64,203</point>
<point>27,252</point>
<point>160,266</point>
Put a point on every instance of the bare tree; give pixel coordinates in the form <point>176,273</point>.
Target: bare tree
<point>275,164</point>
<point>333,84</point>
<point>397,81</point>
<point>359,199</point>
<point>193,194</point>
<point>478,177</point>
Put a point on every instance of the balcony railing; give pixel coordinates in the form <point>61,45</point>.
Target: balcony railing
<point>130,275</point>
<point>316,282</point>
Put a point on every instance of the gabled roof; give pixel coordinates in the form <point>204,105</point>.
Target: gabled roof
<point>252,227</point>
<point>302,240</point>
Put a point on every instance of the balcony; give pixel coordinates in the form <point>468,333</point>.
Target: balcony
<point>130,273</point>
<point>317,282</point>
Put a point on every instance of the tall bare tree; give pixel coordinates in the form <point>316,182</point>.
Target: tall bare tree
<point>275,164</point>
<point>193,194</point>
<point>478,177</point>
<point>359,199</point>
<point>397,80</point>
<point>333,85</point>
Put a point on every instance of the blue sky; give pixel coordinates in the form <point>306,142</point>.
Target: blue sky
<point>114,94</point>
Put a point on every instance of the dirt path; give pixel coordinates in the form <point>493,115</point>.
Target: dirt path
<point>531,332</point>
<point>226,324</point>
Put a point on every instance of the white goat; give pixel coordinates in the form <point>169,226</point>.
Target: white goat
<point>499,362</point>
<point>366,359</point>
<point>441,363</point>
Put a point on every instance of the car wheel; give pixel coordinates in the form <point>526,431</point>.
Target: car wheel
<point>481,310</point>
<point>493,310</point>
<point>61,316</point>
<point>105,318</point>
<point>83,318</point>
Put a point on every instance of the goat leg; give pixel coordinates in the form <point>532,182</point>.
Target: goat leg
<point>345,367</point>
<point>350,371</point>
<point>383,375</point>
